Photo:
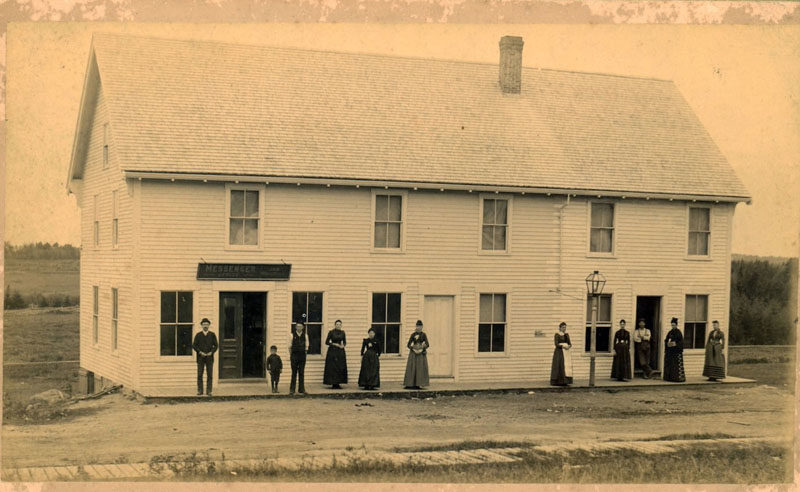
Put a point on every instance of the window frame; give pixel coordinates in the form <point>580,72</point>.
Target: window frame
<point>261,189</point>
<point>403,194</point>
<point>507,323</point>
<point>106,158</point>
<point>400,324</point>
<point>114,319</point>
<point>697,257</point>
<point>322,334</point>
<point>96,222</point>
<point>482,197</point>
<point>614,229</point>
<point>707,321</point>
<point>157,300</point>
<point>610,325</point>
<point>95,315</point>
<point>115,219</point>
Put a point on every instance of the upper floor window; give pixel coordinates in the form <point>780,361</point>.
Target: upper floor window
<point>386,318</point>
<point>601,237</point>
<point>492,323</point>
<point>388,230</point>
<point>177,313</point>
<point>695,321</point>
<point>96,223</point>
<point>243,217</point>
<point>307,307</point>
<point>114,218</point>
<point>105,146</point>
<point>699,230</point>
<point>494,230</point>
<point>603,331</point>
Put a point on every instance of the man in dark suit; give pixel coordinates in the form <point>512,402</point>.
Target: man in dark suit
<point>205,344</point>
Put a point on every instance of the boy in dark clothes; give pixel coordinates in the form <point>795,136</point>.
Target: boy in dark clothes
<point>274,366</point>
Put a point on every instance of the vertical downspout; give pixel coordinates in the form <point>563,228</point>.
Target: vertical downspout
<point>561,241</point>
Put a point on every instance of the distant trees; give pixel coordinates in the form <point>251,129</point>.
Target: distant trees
<point>762,311</point>
<point>42,251</point>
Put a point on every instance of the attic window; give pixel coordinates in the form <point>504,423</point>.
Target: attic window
<point>105,146</point>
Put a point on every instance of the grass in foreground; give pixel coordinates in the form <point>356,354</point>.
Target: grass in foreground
<point>696,463</point>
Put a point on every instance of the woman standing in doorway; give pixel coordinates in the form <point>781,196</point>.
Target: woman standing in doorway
<point>561,370</point>
<point>714,367</point>
<point>370,378</point>
<point>335,360</point>
<point>673,355</point>
<point>621,367</point>
<point>417,366</point>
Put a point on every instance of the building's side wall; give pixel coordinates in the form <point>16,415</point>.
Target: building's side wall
<point>103,265</point>
<point>325,234</point>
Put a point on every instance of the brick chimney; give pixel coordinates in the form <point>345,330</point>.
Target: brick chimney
<point>511,64</point>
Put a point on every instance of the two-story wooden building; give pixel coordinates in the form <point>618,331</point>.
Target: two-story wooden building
<point>258,186</point>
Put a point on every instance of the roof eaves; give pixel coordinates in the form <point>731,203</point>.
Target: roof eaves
<point>89,81</point>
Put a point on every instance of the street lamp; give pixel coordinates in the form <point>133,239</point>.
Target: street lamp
<point>594,287</point>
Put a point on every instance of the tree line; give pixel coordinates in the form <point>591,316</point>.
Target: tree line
<point>41,251</point>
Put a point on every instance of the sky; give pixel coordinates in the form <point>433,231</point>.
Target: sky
<point>742,81</point>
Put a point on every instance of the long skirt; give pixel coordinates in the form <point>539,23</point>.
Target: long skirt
<point>561,370</point>
<point>621,367</point>
<point>673,366</point>
<point>369,377</point>
<point>416,370</point>
<point>335,367</point>
<point>714,366</point>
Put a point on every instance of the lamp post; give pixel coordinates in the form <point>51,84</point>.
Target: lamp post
<point>594,287</point>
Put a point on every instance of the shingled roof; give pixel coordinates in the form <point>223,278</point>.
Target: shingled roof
<point>192,107</point>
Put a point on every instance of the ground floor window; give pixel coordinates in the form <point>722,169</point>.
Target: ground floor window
<point>177,311</point>
<point>386,318</point>
<point>95,312</point>
<point>307,307</point>
<point>695,322</point>
<point>492,325</point>
<point>114,317</point>
<point>603,332</point>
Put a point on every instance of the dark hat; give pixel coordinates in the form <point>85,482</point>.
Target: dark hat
<point>205,320</point>
<point>419,322</point>
<point>273,347</point>
<point>371,330</point>
<point>562,324</point>
<point>622,320</point>
<point>674,320</point>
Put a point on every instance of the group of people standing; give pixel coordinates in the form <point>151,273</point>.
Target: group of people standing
<point>335,372</point>
<point>621,370</point>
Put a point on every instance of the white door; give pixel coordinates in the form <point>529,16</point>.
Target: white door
<point>438,322</point>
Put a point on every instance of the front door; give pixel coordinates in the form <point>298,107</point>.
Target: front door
<point>649,309</point>
<point>439,328</point>
<point>242,334</point>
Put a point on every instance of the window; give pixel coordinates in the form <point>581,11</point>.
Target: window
<point>602,231</point>
<point>699,230</point>
<point>243,217</point>
<point>115,218</point>
<point>307,307</point>
<point>105,146</point>
<point>388,221</point>
<point>603,333</point>
<point>96,223</point>
<point>177,311</point>
<point>495,225</point>
<point>492,326</point>
<point>95,313</point>
<point>114,317</point>
<point>386,321</point>
<point>696,319</point>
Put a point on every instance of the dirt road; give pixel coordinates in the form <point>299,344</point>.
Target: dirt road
<point>118,429</point>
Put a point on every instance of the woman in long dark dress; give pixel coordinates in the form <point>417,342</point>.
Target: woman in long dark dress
<point>417,366</point>
<point>714,366</point>
<point>621,367</point>
<point>673,355</point>
<point>335,361</point>
<point>369,377</point>
<point>561,370</point>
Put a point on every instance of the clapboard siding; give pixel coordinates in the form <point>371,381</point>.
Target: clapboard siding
<point>325,234</point>
<point>103,265</point>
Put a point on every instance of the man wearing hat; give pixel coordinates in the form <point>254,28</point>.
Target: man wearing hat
<point>205,344</point>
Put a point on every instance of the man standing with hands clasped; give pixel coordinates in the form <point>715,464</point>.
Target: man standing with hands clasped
<point>641,342</point>
<point>205,344</point>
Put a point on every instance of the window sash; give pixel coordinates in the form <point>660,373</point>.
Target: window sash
<point>177,322</point>
<point>105,145</point>
<point>171,339</point>
<point>603,340</point>
<point>494,224</point>
<point>695,320</point>
<point>114,317</point>
<point>388,224</point>
<point>244,217</point>
<point>96,228</point>
<point>308,308</point>
<point>114,218</point>
<point>386,320</point>
<point>95,313</point>
<point>699,230</point>
<point>492,322</point>
<point>601,235</point>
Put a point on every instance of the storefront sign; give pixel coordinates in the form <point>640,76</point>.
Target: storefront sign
<point>243,271</point>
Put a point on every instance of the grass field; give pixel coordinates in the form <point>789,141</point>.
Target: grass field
<point>45,277</point>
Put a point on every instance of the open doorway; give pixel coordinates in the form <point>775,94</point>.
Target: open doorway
<point>242,334</point>
<point>649,309</point>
